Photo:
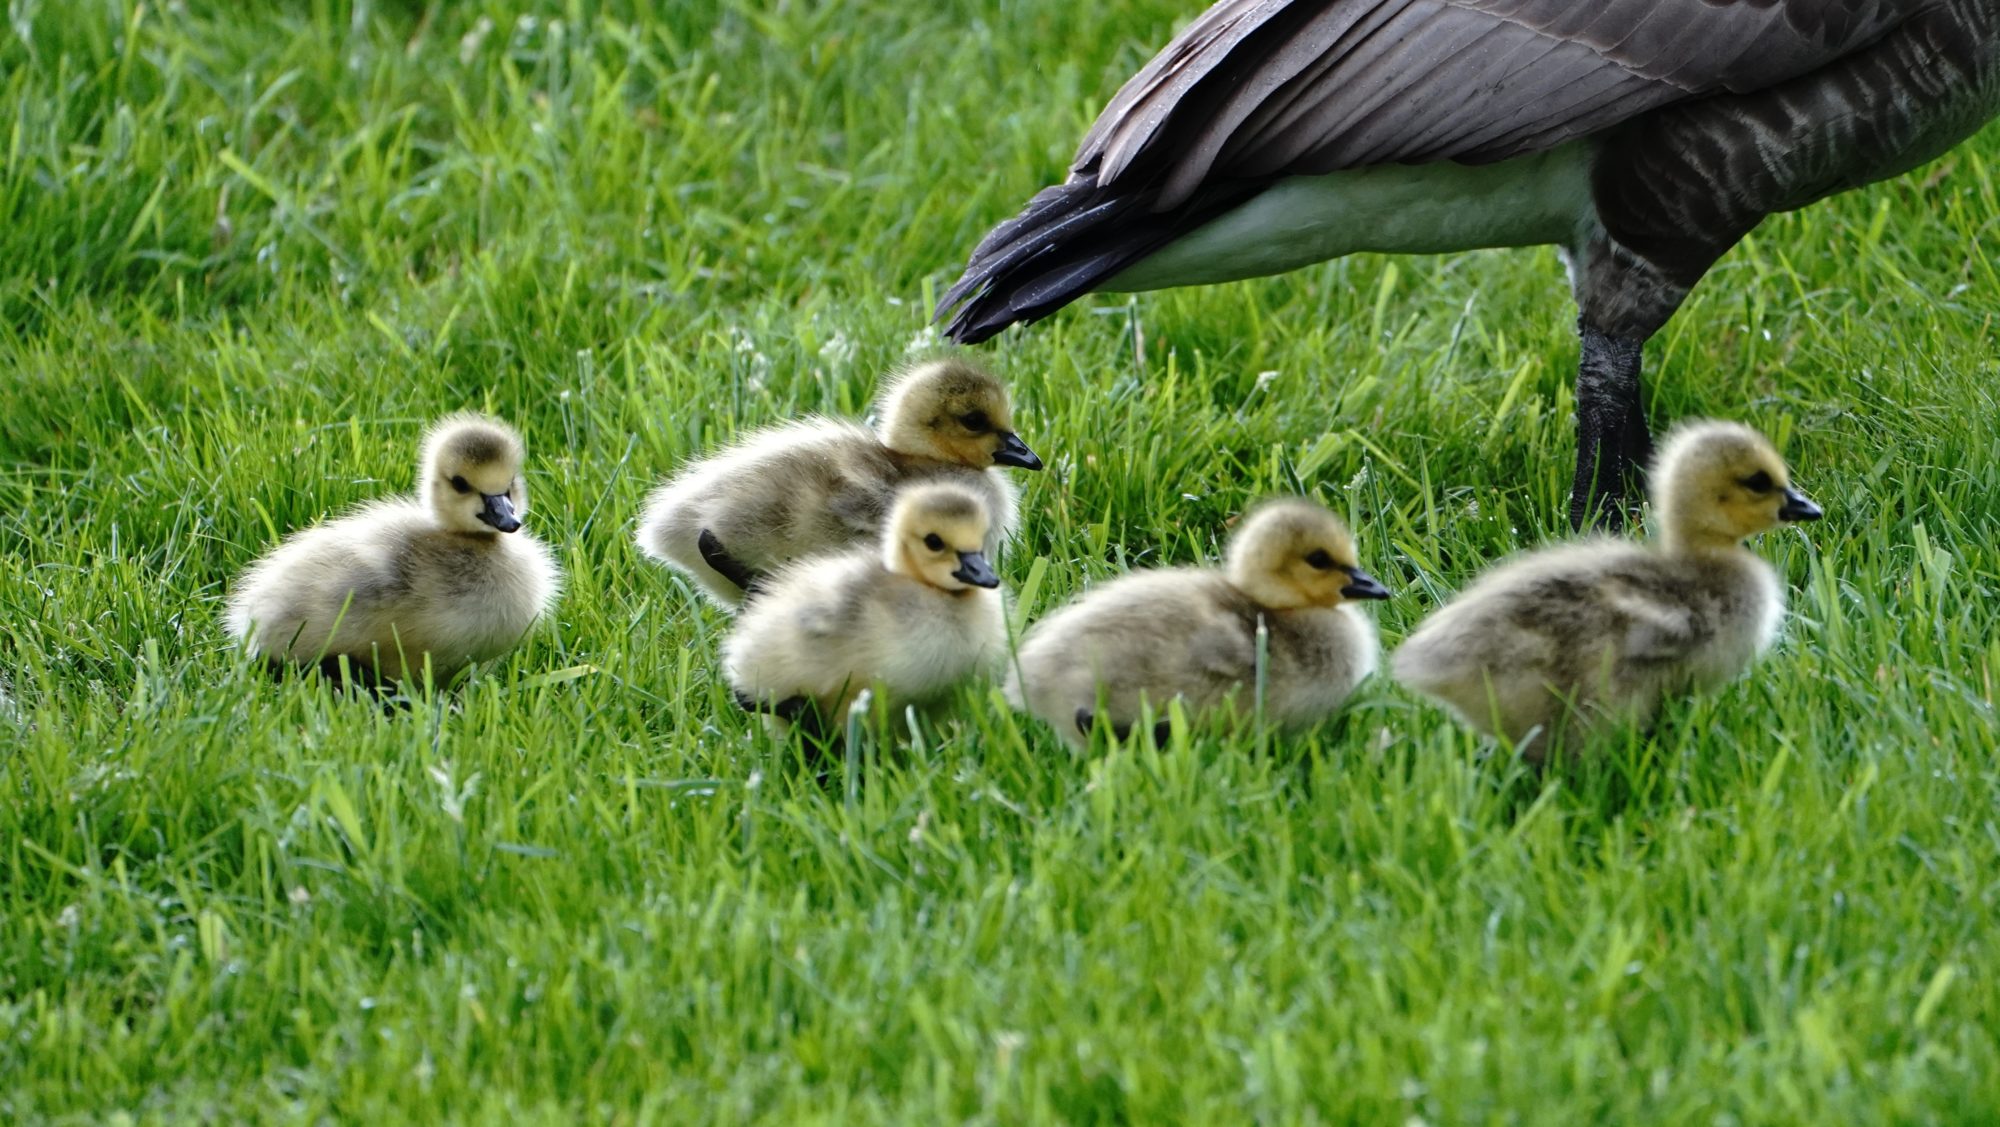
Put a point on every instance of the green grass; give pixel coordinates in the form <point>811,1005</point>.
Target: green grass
<point>250,251</point>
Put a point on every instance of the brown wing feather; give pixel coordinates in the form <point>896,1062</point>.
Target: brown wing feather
<point>1264,88</point>
<point>1257,90</point>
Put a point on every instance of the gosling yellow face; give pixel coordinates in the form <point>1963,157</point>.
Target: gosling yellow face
<point>1718,483</point>
<point>1293,553</point>
<point>471,475</point>
<point>954,412</point>
<point>936,535</point>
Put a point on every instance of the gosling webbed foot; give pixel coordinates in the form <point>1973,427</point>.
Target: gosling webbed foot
<point>722,563</point>
<point>1162,729</point>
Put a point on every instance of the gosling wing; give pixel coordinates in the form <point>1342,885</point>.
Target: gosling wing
<point>1649,631</point>
<point>1222,647</point>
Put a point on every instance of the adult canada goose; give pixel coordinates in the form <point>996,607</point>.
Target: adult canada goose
<point>1192,632</point>
<point>914,614</point>
<point>1566,639</point>
<point>446,574</point>
<point>791,491</point>
<point>1643,138</point>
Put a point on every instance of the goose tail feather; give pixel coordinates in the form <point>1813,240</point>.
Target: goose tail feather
<point>1071,239</point>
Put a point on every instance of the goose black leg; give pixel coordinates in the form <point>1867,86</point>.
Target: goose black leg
<point>356,677</point>
<point>817,738</point>
<point>799,711</point>
<point>1612,443</point>
<point>1086,719</point>
<point>1162,730</point>
<point>724,564</point>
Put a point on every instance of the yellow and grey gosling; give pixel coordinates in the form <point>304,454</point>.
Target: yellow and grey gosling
<point>1191,632</point>
<point>1613,628</point>
<point>820,484</point>
<point>447,574</point>
<point>912,616</point>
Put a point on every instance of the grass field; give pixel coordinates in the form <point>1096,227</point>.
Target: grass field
<point>251,250</point>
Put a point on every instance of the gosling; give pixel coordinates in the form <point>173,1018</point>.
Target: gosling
<point>821,484</point>
<point>446,577</point>
<point>1559,643</point>
<point>1191,633</point>
<point>911,617</point>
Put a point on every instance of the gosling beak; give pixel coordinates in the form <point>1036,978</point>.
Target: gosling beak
<point>1798,506</point>
<point>973,569</point>
<point>1363,587</point>
<point>1014,452</point>
<point>499,512</point>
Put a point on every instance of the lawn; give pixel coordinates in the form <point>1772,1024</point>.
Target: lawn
<point>251,250</point>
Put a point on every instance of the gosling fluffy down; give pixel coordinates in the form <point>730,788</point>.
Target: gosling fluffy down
<point>913,616</point>
<point>820,484</point>
<point>1192,632</point>
<point>1613,628</point>
<point>447,574</point>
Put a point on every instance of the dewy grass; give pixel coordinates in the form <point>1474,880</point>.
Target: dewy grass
<point>253,249</point>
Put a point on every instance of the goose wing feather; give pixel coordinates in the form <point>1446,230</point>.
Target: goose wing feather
<point>1254,89</point>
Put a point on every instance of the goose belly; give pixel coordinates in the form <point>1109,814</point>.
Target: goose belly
<point>1393,208</point>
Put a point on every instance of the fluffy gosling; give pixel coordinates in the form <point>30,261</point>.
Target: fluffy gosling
<point>1192,632</point>
<point>447,575</point>
<point>819,484</point>
<point>1557,643</point>
<point>913,616</point>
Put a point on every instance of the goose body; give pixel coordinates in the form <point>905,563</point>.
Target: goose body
<point>447,575</point>
<point>1191,633</point>
<point>914,614</point>
<point>1562,641</point>
<point>1389,208</point>
<point>1643,138</point>
<point>806,487</point>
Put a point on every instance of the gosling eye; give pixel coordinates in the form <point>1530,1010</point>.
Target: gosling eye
<point>1759,482</point>
<point>976,422</point>
<point>459,483</point>
<point>1320,560</point>
<point>934,542</point>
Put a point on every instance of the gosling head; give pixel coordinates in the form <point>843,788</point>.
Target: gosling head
<point>1293,553</point>
<point>1716,483</point>
<point>936,535</point>
<point>952,411</point>
<point>470,475</point>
